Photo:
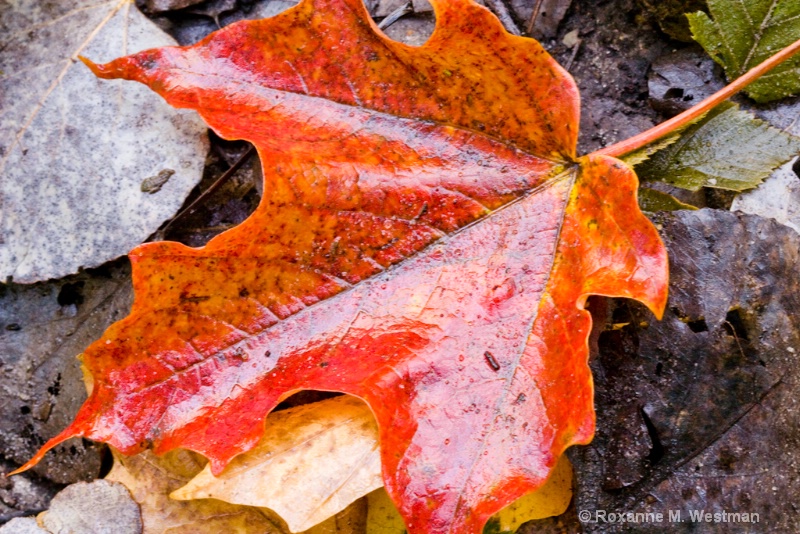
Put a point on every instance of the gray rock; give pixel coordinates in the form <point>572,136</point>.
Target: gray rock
<point>158,6</point>
<point>22,525</point>
<point>23,494</point>
<point>74,149</point>
<point>99,507</point>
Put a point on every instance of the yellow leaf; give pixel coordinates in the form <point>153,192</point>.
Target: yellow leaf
<point>550,500</point>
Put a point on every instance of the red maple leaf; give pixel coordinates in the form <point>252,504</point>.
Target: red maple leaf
<point>426,241</point>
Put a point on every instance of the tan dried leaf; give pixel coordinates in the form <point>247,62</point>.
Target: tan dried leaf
<point>312,462</point>
<point>151,478</point>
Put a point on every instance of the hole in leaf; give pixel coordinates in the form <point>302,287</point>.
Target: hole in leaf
<point>306,396</point>
<point>657,450</point>
<point>674,92</point>
<point>734,325</point>
<point>659,368</point>
<point>71,294</point>
<point>698,326</point>
<point>413,29</point>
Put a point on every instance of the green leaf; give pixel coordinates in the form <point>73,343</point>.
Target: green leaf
<point>741,34</point>
<point>643,154</point>
<point>654,200</point>
<point>729,149</point>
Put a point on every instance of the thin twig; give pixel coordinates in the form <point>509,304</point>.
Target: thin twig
<point>208,192</point>
<point>573,55</point>
<point>534,15</point>
<point>395,15</point>
<point>638,141</point>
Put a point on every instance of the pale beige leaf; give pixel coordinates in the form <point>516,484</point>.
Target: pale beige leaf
<point>151,478</point>
<point>312,462</point>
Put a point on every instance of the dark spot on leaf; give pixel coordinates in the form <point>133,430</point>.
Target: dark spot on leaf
<point>491,361</point>
<point>698,325</point>
<point>194,299</point>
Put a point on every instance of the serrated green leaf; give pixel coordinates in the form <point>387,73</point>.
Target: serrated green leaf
<point>729,149</point>
<point>654,200</point>
<point>643,154</point>
<point>739,35</point>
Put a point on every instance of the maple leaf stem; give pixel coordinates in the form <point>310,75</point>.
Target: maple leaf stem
<point>638,141</point>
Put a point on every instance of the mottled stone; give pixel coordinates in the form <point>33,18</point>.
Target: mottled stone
<point>75,149</point>
<point>99,507</point>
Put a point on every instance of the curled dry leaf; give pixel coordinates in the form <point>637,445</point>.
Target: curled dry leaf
<point>151,478</point>
<point>778,197</point>
<point>75,151</point>
<point>426,242</point>
<point>312,462</point>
